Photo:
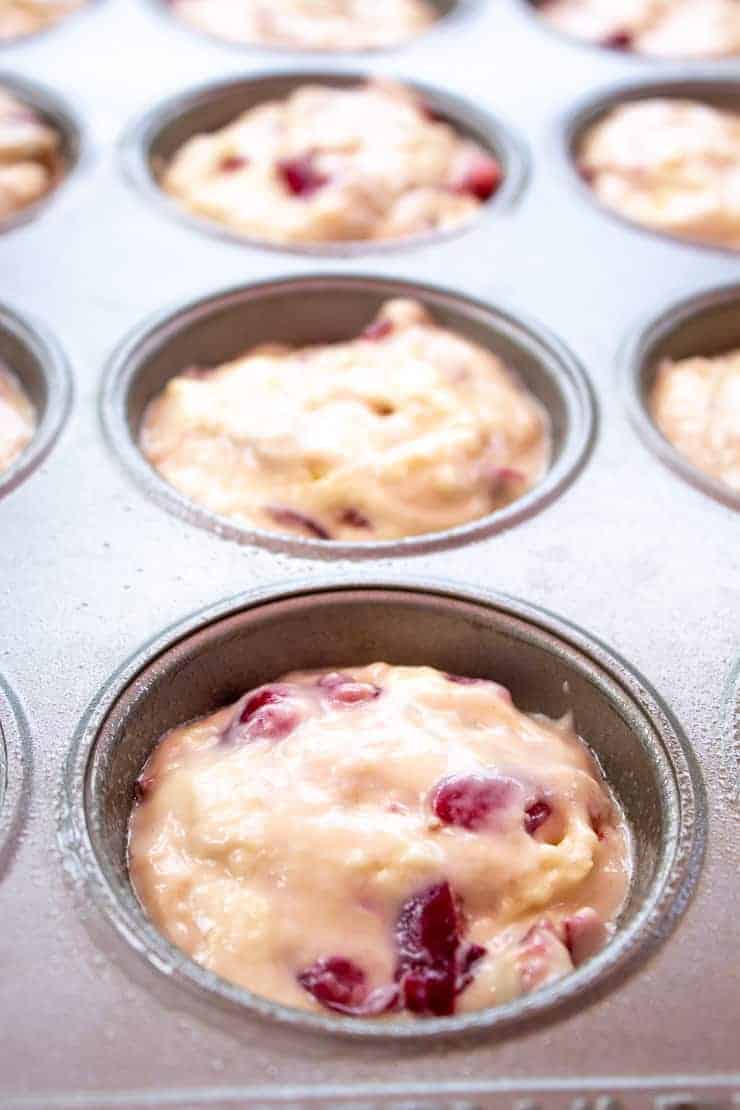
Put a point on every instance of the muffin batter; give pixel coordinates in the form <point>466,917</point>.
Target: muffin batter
<point>29,156</point>
<point>310,24</point>
<point>327,164</point>
<point>672,165</point>
<point>663,28</point>
<point>379,840</point>
<point>408,429</point>
<point>17,419</point>
<point>25,17</point>
<point>696,405</point>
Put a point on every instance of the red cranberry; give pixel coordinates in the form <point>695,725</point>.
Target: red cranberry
<point>354,518</point>
<point>343,690</point>
<point>379,329</point>
<point>292,519</point>
<point>428,940</point>
<point>536,815</point>
<point>619,40</point>
<point>585,935</point>
<point>468,801</point>
<point>233,162</point>
<point>339,984</point>
<point>300,175</point>
<point>269,713</point>
<point>482,177</point>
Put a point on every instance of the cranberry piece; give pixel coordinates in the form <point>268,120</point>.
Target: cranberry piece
<point>292,519</point>
<point>619,40</point>
<point>268,713</point>
<point>469,800</point>
<point>354,518</point>
<point>482,177</point>
<point>300,176</point>
<point>343,690</point>
<point>585,935</point>
<point>379,329</point>
<point>339,984</point>
<point>233,162</point>
<point>536,815</point>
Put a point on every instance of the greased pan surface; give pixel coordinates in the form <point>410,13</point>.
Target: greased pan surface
<point>93,567</point>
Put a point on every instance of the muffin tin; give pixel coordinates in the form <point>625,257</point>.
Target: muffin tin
<point>99,558</point>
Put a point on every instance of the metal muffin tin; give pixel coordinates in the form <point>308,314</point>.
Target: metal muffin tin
<point>151,142</point>
<point>96,1010</point>
<point>312,310</point>
<point>550,668</point>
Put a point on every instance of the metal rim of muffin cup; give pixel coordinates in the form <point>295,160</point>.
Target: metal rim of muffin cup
<point>150,141</point>
<point>550,665</point>
<point>705,324</point>
<point>530,8</point>
<point>449,10</point>
<point>36,359</point>
<point>57,113</point>
<point>705,87</point>
<point>731,702</point>
<point>15,765</point>
<point>148,358</point>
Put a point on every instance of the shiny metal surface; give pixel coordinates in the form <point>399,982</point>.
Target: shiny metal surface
<point>92,567</point>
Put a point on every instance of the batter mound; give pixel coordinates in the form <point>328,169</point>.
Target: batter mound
<point>30,159</point>
<point>663,28</point>
<point>25,17</point>
<point>379,840</point>
<point>327,164</point>
<point>671,165</point>
<point>17,419</point>
<point>407,430</point>
<point>310,24</point>
<point>696,405</point>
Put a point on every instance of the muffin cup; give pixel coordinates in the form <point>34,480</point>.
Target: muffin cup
<point>54,112</point>
<point>708,324</point>
<point>551,667</point>
<point>150,142</point>
<point>447,9</point>
<point>38,362</point>
<point>319,309</point>
<point>723,93</point>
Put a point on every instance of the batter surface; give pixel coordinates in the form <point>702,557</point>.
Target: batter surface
<point>663,28</point>
<point>379,840</point>
<point>310,24</point>
<point>327,164</point>
<point>17,419</point>
<point>408,429</point>
<point>30,159</point>
<point>24,17</point>
<point>696,405</point>
<point>672,165</point>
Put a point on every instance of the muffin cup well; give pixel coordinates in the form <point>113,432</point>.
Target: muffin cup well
<point>54,112</point>
<point>38,362</point>
<point>551,667</point>
<point>708,324</point>
<point>447,10</point>
<point>325,309</point>
<point>15,761</point>
<point>150,142</point>
<point>718,92</point>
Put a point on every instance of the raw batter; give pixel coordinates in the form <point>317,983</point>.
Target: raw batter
<point>669,164</point>
<point>17,419</point>
<point>327,164</point>
<point>379,840</point>
<point>408,429</point>
<point>663,28</point>
<point>696,405</point>
<point>29,156</point>
<point>25,17</point>
<point>310,24</point>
